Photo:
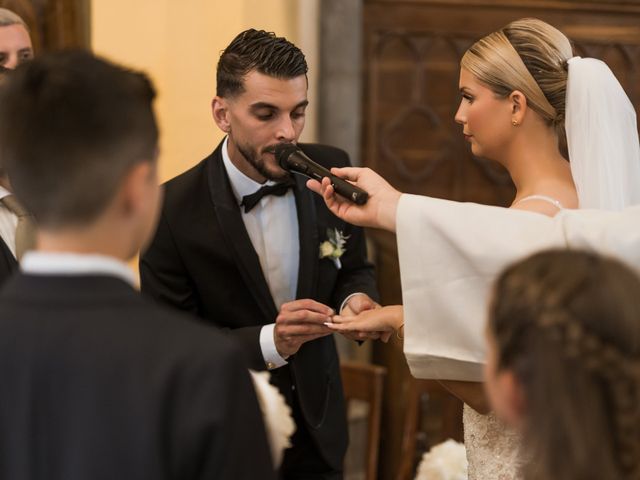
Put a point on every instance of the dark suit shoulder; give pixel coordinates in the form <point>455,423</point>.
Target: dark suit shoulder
<point>189,193</point>
<point>182,184</point>
<point>173,328</point>
<point>8,263</point>
<point>326,155</point>
<point>109,305</point>
<point>200,336</point>
<point>171,396</point>
<point>181,325</point>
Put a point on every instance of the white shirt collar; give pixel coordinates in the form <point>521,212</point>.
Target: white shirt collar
<point>4,192</point>
<point>67,263</point>
<point>240,183</point>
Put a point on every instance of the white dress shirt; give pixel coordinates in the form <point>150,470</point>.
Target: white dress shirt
<point>8,223</point>
<point>67,263</point>
<point>272,226</point>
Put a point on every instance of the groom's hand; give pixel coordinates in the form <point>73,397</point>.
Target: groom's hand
<point>298,322</point>
<point>358,303</point>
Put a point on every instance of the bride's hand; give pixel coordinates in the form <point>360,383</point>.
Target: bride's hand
<point>384,320</point>
<point>380,209</point>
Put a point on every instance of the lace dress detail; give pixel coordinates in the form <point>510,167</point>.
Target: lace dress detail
<point>492,447</point>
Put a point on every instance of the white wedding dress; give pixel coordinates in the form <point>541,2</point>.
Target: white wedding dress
<point>492,448</point>
<point>450,253</point>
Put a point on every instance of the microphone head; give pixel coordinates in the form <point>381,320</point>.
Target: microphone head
<point>282,153</point>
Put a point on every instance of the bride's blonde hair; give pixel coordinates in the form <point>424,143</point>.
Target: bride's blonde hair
<point>528,55</point>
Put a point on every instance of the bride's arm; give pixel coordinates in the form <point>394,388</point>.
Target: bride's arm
<point>471,393</point>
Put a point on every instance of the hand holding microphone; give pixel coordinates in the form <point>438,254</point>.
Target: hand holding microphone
<point>292,159</point>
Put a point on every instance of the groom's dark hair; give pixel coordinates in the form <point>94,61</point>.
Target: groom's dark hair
<point>261,51</point>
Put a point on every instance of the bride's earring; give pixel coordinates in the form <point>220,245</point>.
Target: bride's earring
<point>514,123</point>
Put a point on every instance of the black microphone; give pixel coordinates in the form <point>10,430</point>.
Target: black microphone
<point>292,159</point>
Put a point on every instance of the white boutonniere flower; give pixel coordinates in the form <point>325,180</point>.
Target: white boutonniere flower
<point>333,247</point>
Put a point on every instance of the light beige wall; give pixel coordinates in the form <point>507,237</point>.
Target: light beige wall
<point>178,44</point>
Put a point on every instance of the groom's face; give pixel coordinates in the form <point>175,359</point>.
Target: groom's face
<point>269,111</point>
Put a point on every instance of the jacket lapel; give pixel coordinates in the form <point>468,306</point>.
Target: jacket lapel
<point>7,260</point>
<point>236,236</point>
<point>308,234</point>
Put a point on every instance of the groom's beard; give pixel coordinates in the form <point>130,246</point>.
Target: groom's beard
<point>261,164</point>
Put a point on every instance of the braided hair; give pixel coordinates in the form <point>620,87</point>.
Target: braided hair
<point>567,324</point>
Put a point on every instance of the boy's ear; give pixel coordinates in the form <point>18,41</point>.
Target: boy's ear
<point>514,405</point>
<point>134,186</point>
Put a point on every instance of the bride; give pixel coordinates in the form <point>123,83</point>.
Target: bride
<point>520,88</point>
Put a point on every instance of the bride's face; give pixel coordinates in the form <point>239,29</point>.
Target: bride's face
<point>485,118</point>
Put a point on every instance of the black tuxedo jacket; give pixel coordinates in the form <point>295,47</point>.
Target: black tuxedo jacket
<point>202,261</point>
<point>8,263</point>
<point>99,383</point>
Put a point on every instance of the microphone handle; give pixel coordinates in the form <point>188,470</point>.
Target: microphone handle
<point>341,187</point>
<point>348,190</point>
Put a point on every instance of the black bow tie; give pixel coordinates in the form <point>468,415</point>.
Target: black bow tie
<point>278,189</point>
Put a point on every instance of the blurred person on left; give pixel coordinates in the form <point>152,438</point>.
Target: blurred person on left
<point>15,41</point>
<point>17,228</point>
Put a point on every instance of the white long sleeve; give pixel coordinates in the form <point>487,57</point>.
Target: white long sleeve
<point>451,253</point>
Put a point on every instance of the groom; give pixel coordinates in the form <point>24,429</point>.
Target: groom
<point>239,245</point>
<point>16,226</point>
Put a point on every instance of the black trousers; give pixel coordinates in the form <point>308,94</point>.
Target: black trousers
<point>303,461</point>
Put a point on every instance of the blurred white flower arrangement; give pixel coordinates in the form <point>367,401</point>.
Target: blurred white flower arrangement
<point>276,414</point>
<point>445,461</point>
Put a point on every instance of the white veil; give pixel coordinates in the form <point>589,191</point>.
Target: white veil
<point>602,136</point>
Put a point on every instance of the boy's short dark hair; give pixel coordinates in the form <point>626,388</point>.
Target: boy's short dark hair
<point>71,126</point>
<point>261,51</point>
